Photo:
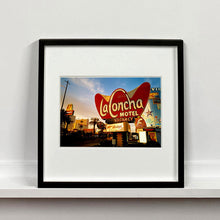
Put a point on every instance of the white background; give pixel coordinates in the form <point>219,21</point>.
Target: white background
<point>24,22</point>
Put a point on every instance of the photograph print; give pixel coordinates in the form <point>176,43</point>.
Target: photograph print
<point>110,112</point>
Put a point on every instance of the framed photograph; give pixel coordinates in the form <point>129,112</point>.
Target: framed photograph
<point>110,113</point>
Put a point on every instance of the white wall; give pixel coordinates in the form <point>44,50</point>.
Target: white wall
<point>24,22</point>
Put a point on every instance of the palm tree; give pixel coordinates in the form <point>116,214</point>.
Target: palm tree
<point>64,119</point>
<point>94,122</point>
<point>101,125</point>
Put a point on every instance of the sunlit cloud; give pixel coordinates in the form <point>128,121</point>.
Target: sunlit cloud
<point>81,109</point>
<point>92,85</point>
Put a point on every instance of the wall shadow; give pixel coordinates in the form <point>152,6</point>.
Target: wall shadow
<point>31,116</point>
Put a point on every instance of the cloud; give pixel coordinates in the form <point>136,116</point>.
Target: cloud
<point>81,109</point>
<point>92,85</point>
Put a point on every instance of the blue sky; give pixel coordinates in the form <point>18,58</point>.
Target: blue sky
<point>81,91</point>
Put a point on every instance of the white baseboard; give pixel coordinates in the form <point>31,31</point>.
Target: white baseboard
<point>194,169</point>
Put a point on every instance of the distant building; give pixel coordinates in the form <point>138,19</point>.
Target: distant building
<point>81,124</point>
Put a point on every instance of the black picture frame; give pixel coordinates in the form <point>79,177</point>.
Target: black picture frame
<point>112,42</point>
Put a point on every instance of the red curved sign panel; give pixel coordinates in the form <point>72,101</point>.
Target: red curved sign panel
<point>140,123</point>
<point>122,104</point>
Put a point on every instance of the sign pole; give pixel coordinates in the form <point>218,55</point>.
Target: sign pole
<point>67,83</point>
